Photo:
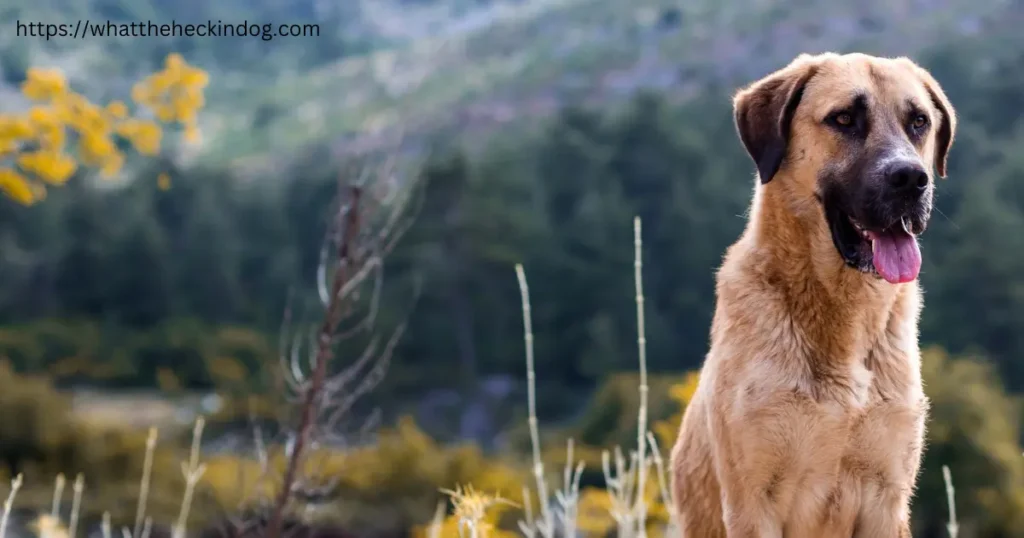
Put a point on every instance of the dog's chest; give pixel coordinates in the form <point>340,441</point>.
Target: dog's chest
<point>887,428</point>
<point>870,432</point>
<point>879,398</point>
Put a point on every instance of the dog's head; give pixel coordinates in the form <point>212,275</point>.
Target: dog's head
<point>860,136</point>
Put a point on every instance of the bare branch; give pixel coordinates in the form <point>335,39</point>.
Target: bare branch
<point>324,354</point>
<point>365,227</point>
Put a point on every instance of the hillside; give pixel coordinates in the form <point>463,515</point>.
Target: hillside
<point>381,65</point>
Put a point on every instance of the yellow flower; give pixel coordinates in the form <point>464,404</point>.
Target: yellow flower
<point>52,167</point>
<point>43,84</point>
<point>43,116</point>
<point>15,127</point>
<point>174,62</point>
<point>683,393</point>
<point>141,93</point>
<point>164,113</point>
<point>45,125</point>
<point>144,136</point>
<point>7,147</point>
<point>184,108</point>
<point>17,187</point>
<point>51,137</point>
<point>35,140</point>
<point>160,82</point>
<point>163,181</point>
<point>196,78</point>
<point>117,110</point>
<point>593,512</point>
<point>95,148</point>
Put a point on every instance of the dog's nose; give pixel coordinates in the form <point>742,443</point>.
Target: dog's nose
<point>909,179</point>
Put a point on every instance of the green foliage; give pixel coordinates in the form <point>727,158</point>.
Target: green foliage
<point>200,356</point>
<point>610,417</point>
<point>40,437</point>
<point>974,429</point>
<point>221,252</point>
<point>35,420</point>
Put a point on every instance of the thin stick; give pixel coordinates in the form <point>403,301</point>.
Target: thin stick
<point>668,496</point>
<point>9,504</point>
<point>147,467</point>
<point>76,504</point>
<point>527,525</point>
<point>531,388</point>
<point>568,497</point>
<point>953,527</point>
<point>437,520</point>
<point>192,472</point>
<point>58,494</point>
<point>641,343</point>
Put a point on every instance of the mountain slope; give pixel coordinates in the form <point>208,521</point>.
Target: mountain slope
<point>381,66</point>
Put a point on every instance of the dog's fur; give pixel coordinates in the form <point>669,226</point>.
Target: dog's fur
<point>808,421</point>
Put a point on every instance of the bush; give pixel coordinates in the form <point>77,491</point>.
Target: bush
<point>381,489</point>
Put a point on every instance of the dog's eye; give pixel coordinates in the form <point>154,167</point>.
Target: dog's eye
<point>844,119</point>
<point>920,121</point>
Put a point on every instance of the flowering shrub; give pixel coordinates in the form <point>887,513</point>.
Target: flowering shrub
<point>681,393</point>
<point>46,144</point>
<point>381,488</point>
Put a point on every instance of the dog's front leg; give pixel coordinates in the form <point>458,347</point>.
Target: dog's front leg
<point>885,514</point>
<point>750,516</point>
<point>749,472</point>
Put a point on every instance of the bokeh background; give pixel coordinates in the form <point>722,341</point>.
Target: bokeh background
<point>526,131</point>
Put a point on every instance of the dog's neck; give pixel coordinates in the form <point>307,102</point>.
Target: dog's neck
<point>788,248</point>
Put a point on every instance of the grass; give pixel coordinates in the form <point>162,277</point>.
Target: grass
<point>50,525</point>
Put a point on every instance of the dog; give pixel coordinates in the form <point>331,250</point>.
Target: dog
<point>809,417</point>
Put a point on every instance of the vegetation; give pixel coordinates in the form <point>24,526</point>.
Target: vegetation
<point>34,144</point>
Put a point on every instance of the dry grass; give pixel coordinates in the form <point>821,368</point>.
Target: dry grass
<point>625,477</point>
<point>50,525</point>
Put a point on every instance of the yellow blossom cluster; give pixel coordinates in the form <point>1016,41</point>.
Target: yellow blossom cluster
<point>175,94</point>
<point>681,393</point>
<point>46,144</point>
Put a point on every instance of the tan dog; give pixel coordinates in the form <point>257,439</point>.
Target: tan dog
<point>808,421</point>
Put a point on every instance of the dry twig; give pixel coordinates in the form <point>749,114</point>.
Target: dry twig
<point>953,526</point>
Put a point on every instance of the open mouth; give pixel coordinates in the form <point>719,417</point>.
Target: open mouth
<point>891,253</point>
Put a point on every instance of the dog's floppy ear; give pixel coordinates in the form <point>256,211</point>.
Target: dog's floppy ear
<point>763,113</point>
<point>947,126</point>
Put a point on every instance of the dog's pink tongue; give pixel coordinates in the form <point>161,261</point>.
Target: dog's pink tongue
<point>896,255</point>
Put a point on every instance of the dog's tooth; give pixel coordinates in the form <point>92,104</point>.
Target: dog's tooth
<point>906,224</point>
